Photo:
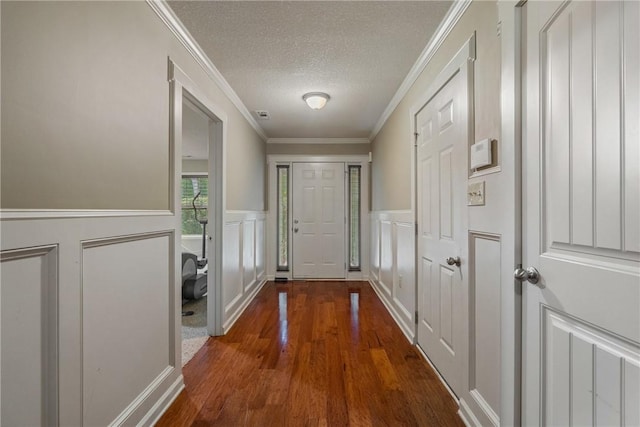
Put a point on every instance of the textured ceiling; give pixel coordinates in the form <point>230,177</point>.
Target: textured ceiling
<point>271,53</point>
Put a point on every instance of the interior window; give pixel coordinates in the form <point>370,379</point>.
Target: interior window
<point>192,186</point>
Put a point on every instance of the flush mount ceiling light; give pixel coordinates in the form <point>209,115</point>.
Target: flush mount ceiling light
<point>315,100</point>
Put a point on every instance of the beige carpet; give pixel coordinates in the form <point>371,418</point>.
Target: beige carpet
<point>194,328</point>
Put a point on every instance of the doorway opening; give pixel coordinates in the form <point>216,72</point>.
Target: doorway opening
<point>194,200</point>
<point>198,134</point>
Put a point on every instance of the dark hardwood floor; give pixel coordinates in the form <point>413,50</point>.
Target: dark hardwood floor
<point>312,354</point>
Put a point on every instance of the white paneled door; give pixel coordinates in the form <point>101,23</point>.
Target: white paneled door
<point>441,168</point>
<point>581,214</point>
<point>318,220</point>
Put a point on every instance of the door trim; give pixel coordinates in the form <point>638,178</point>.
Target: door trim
<point>466,53</point>
<point>473,408</point>
<point>274,160</point>
<point>181,86</point>
<point>509,15</point>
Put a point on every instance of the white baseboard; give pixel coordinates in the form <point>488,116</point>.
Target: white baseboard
<point>394,313</point>
<point>249,298</point>
<point>161,406</point>
<point>466,415</point>
<point>424,355</point>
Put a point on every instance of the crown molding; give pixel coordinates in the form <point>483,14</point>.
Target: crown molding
<point>450,20</point>
<point>167,16</point>
<point>318,141</point>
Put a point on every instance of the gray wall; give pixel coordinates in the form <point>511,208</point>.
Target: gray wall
<point>391,168</point>
<point>319,149</point>
<point>85,110</point>
<point>195,166</point>
<point>488,234</point>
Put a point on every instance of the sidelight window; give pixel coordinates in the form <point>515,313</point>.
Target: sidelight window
<point>283,217</point>
<point>354,217</point>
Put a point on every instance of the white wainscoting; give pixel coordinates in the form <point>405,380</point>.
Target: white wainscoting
<point>243,262</point>
<point>375,248</point>
<point>387,257</point>
<point>89,318</point>
<point>483,397</point>
<point>28,296</point>
<point>393,279</point>
<point>393,265</point>
<point>127,284</point>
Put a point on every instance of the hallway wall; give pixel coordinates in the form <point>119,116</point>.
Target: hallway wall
<point>392,146</point>
<point>489,254</point>
<point>89,242</point>
<point>85,94</point>
<point>319,149</point>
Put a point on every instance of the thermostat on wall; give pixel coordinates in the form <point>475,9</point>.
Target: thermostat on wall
<point>481,154</point>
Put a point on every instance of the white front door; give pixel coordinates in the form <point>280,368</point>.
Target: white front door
<point>442,171</point>
<point>318,215</point>
<point>581,161</point>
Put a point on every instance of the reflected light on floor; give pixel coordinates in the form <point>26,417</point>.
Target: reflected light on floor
<point>354,299</point>
<point>284,323</point>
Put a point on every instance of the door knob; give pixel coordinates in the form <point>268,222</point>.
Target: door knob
<point>530,275</point>
<point>454,261</point>
<point>295,230</point>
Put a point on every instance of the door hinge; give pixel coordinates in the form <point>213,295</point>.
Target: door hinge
<point>416,318</point>
<point>416,228</point>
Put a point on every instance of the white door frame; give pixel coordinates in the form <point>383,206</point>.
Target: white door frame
<point>273,160</point>
<point>457,90</point>
<point>461,62</point>
<point>509,17</point>
<point>182,86</point>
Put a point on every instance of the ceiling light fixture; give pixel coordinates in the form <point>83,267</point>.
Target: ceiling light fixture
<point>315,100</point>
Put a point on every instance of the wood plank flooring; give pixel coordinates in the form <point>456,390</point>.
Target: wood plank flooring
<point>312,354</point>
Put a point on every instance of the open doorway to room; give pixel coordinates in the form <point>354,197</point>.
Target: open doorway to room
<point>198,133</point>
<point>194,203</point>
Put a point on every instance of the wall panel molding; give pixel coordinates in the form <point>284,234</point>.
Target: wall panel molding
<point>142,397</point>
<point>392,266</point>
<point>485,254</point>
<point>387,256</point>
<point>231,264</point>
<point>243,262</point>
<point>261,247</point>
<point>249,254</point>
<point>126,280</point>
<point>130,249</point>
<point>29,355</point>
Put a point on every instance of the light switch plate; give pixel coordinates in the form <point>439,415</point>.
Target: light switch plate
<point>475,194</point>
